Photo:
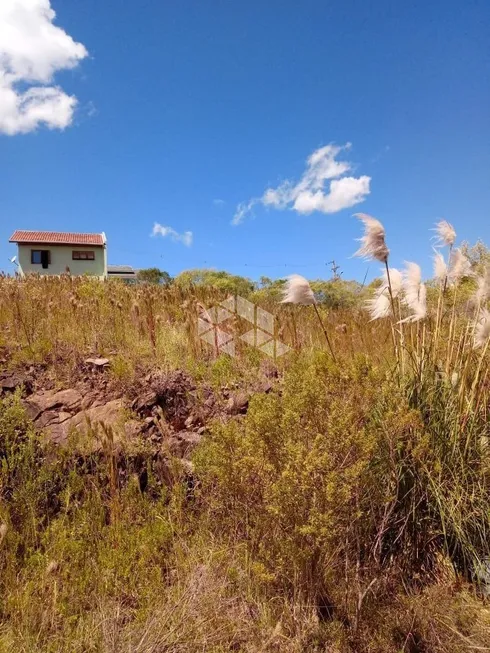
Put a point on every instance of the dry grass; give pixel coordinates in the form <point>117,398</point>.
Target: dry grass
<point>348,511</point>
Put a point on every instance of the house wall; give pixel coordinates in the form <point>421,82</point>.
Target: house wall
<point>61,258</point>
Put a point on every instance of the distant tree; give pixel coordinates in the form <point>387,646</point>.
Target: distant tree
<point>269,290</point>
<point>265,282</point>
<point>154,275</point>
<point>339,293</point>
<point>230,283</point>
<point>478,255</point>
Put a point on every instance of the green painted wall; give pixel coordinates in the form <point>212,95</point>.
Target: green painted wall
<point>61,257</point>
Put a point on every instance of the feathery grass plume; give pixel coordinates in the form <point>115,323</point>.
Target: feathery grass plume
<point>396,280</point>
<point>374,247</point>
<point>446,235</point>
<point>415,292</point>
<point>373,241</point>
<point>482,329</point>
<point>419,307</point>
<point>297,291</point>
<point>483,290</point>
<point>459,267</point>
<point>412,278</point>
<point>379,306</point>
<point>440,268</point>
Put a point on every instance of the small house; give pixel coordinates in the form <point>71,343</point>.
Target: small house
<point>54,252</point>
<point>124,272</point>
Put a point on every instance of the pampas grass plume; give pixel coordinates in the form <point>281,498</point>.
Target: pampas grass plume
<point>379,306</point>
<point>482,329</point>
<point>373,241</point>
<point>420,307</point>
<point>440,267</point>
<point>412,278</point>
<point>415,292</point>
<point>396,279</point>
<point>483,290</point>
<point>446,235</point>
<point>459,267</point>
<point>298,291</point>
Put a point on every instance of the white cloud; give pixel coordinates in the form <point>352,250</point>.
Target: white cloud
<point>244,209</point>
<point>159,229</point>
<point>343,194</point>
<point>310,193</point>
<point>218,202</point>
<point>32,50</point>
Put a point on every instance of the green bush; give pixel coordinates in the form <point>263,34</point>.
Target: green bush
<point>339,482</point>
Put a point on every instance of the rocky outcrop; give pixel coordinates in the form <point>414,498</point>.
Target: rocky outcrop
<point>9,382</point>
<point>40,403</point>
<point>164,408</point>
<point>86,423</point>
<point>238,403</point>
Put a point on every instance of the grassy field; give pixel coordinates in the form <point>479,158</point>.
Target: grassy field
<point>346,511</point>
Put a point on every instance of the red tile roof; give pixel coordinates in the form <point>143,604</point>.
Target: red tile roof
<point>57,238</point>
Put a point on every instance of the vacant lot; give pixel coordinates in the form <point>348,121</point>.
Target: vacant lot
<point>161,495</point>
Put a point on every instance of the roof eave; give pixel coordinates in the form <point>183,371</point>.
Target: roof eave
<point>49,242</point>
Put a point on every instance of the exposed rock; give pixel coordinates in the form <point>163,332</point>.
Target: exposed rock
<point>210,402</point>
<point>238,403</point>
<point>100,401</point>
<point>171,392</point>
<point>45,401</point>
<point>132,429</point>
<point>57,433</point>
<point>107,414</point>
<point>71,399</point>
<point>182,444</point>
<point>47,418</point>
<point>145,401</point>
<point>110,414</point>
<point>170,411</point>
<point>97,362</point>
<point>193,420</point>
<point>10,382</point>
<point>89,399</point>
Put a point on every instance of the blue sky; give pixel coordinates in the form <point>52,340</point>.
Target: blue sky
<point>186,110</point>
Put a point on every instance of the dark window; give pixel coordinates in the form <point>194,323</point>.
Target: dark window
<point>83,256</point>
<point>41,257</point>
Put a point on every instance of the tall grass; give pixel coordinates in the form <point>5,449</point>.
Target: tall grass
<point>346,511</point>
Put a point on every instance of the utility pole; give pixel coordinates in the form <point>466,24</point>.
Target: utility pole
<point>335,270</point>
